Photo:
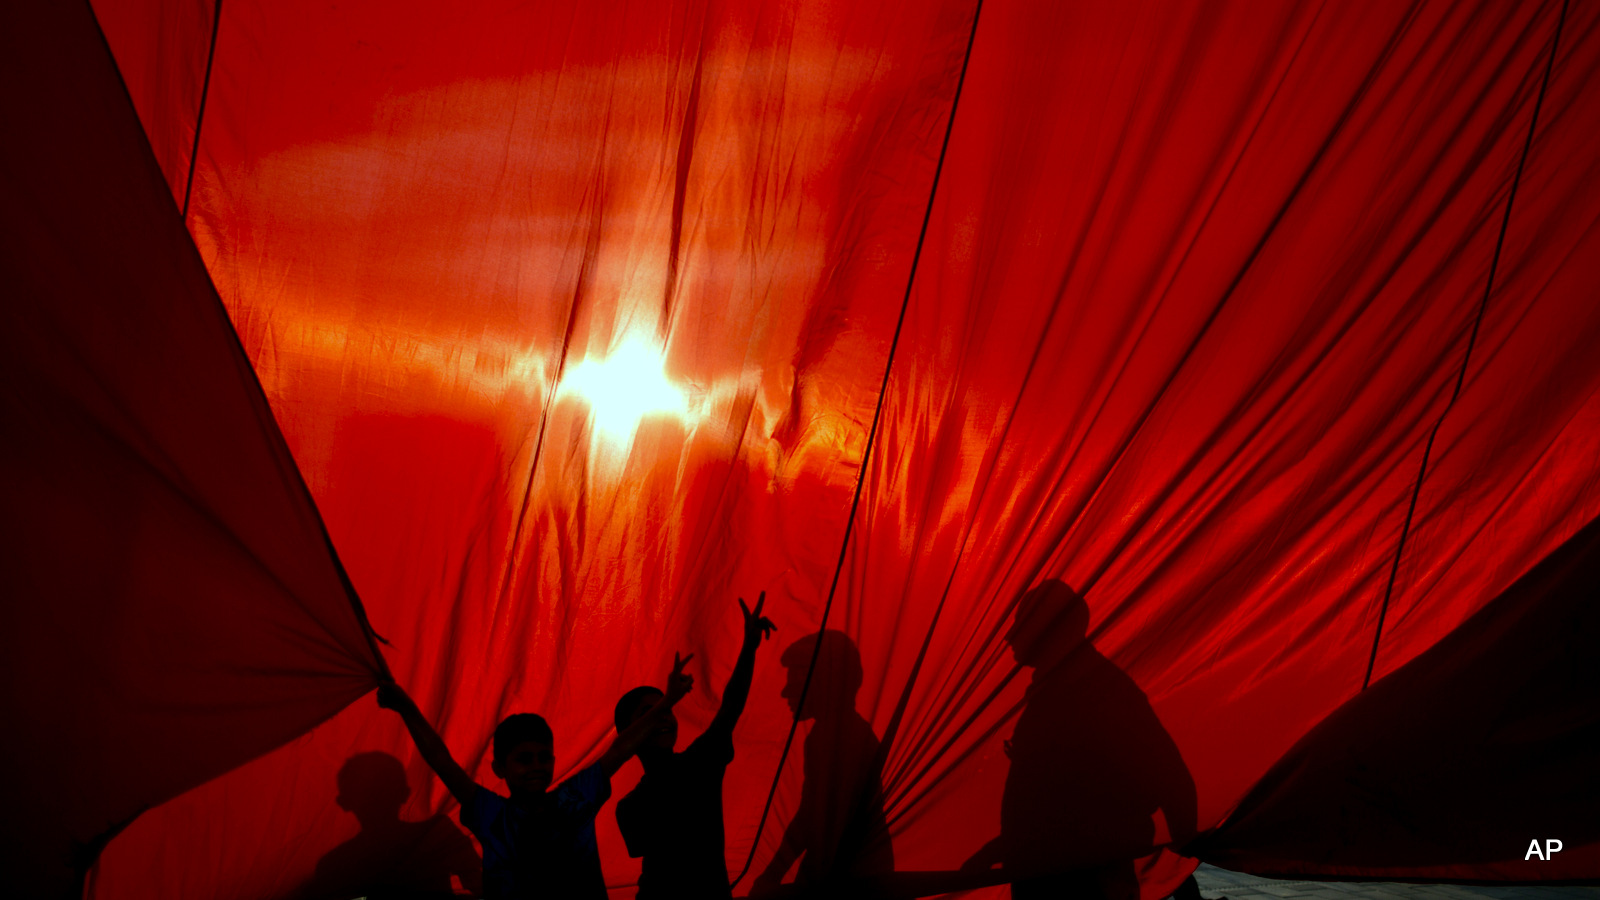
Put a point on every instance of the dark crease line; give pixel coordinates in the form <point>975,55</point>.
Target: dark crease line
<point>866,453</point>
<point>892,730</point>
<point>586,262</point>
<point>590,251</point>
<point>1135,431</point>
<point>271,433</point>
<point>200,114</point>
<point>682,165</point>
<point>1461,375</point>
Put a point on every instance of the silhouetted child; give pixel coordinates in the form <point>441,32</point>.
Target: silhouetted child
<point>391,859</point>
<point>536,842</point>
<point>674,817</point>
<point>839,832</point>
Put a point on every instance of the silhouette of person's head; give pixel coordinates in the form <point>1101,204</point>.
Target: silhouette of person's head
<point>1051,621</point>
<point>636,703</point>
<point>838,833</point>
<point>524,753</point>
<point>1091,764</point>
<point>391,858</point>
<point>835,681</point>
<point>374,787</point>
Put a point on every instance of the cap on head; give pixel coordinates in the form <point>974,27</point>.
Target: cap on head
<point>837,656</point>
<point>833,682</point>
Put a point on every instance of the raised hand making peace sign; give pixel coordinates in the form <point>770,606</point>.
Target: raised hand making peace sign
<point>679,683</point>
<point>756,626</point>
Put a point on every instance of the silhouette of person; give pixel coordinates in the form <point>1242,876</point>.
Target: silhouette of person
<point>838,833</point>
<point>537,842</point>
<point>1092,768</point>
<point>673,818</point>
<point>391,859</point>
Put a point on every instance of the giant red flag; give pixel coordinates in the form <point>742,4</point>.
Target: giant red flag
<point>1104,394</point>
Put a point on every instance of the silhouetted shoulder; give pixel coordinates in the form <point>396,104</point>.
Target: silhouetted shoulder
<point>715,747</point>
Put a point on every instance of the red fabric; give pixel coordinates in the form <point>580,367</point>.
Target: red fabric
<point>1181,346</point>
<point>1198,284</point>
<point>171,605</point>
<point>1389,768</point>
<point>162,47</point>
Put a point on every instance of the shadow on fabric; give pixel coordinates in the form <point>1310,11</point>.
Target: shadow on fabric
<point>391,859</point>
<point>1095,780</point>
<point>838,833</point>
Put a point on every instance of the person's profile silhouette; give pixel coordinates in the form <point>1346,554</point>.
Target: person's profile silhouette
<point>391,859</point>
<point>1095,780</point>
<point>838,832</point>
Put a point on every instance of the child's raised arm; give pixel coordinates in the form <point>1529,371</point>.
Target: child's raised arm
<point>628,741</point>
<point>429,744</point>
<point>756,628</point>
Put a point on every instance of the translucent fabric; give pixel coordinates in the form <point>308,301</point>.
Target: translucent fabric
<point>1103,393</point>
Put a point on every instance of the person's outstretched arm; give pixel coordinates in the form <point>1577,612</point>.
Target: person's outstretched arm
<point>628,741</point>
<point>429,744</point>
<point>756,628</point>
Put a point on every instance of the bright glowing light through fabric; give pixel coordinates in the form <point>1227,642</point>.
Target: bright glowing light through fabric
<point>533,335</point>
<point>622,388</point>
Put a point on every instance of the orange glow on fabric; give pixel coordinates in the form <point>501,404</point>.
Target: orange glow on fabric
<point>575,318</point>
